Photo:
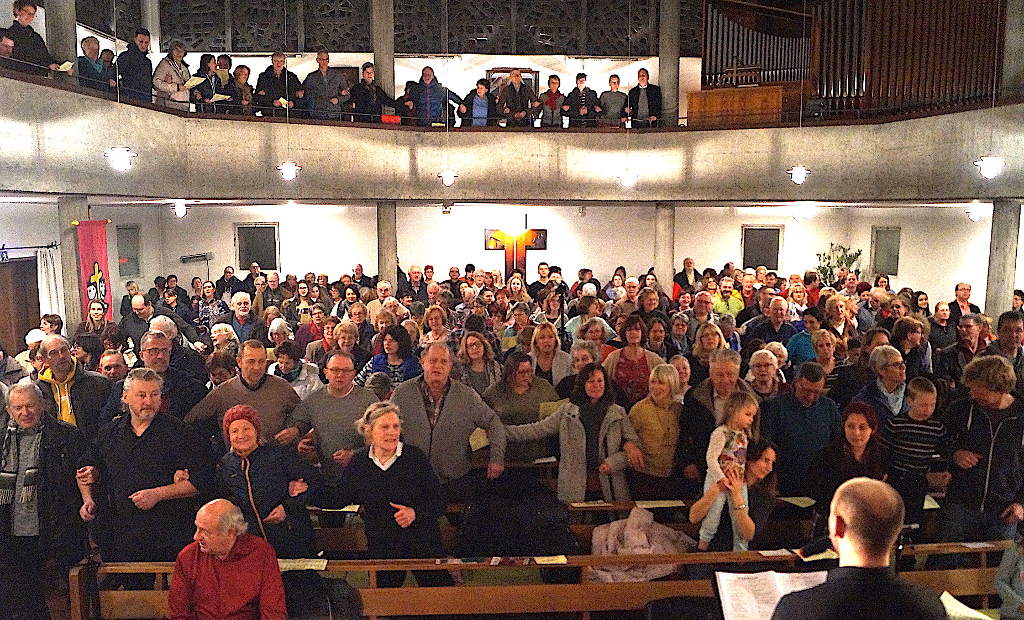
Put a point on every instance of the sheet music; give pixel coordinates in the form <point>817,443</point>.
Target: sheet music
<point>754,595</point>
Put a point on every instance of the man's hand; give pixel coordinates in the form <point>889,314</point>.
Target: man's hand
<point>87,475</point>
<point>1014,513</point>
<point>494,470</point>
<point>334,101</point>
<point>112,83</point>
<point>404,515</point>
<point>297,487</point>
<point>199,346</point>
<point>277,103</point>
<point>965,459</point>
<point>287,436</point>
<point>342,457</point>
<point>520,115</point>
<point>462,108</point>
<point>652,118</point>
<point>299,94</point>
<point>181,475</point>
<point>634,455</point>
<point>307,445</point>
<point>146,498</point>
<point>583,111</point>
<point>88,510</point>
<point>408,104</point>
<point>276,516</point>
<point>261,92</point>
<point>604,468</point>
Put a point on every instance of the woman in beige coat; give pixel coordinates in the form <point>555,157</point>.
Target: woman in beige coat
<point>170,77</point>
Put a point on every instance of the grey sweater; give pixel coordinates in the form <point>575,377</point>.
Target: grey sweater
<point>616,430</point>
<point>446,444</point>
<point>333,419</point>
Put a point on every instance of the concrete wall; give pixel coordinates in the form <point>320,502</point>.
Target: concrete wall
<point>55,141</point>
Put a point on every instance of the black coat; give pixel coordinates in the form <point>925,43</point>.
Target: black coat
<point>30,49</point>
<point>275,87</point>
<point>577,99</point>
<point>63,451</point>
<point>180,392</point>
<point>89,392</point>
<point>653,103</point>
<point>368,103</point>
<point>135,72</point>
<point>854,592</point>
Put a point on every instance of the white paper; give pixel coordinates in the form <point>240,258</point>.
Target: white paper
<point>930,503</point>
<point>754,595</point>
<point>302,564</point>
<point>958,611</point>
<point>802,502</point>
<point>771,553</point>
<point>220,97</point>
<point>977,545</point>
<point>194,81</point>
<point>660,503</point>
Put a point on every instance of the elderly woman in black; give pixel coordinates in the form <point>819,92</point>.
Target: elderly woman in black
<point>399,494</point>
<point>272,485</point>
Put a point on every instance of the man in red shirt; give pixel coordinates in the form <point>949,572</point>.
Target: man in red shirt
<point>226,573</point>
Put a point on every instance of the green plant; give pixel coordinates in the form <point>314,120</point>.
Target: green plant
<point>837,256</point>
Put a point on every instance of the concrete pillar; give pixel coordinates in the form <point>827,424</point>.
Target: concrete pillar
<point>1013,49</point>
<point>387,241</point>
<point>664,244</point>
<point>70,209</point>
<point>151,22</point>
<point>382,30</point>
<point>61,35</point>
<point>668,62</point>
<point>1002,256</point>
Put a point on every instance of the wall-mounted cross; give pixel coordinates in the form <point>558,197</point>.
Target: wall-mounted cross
<point>516,245</point>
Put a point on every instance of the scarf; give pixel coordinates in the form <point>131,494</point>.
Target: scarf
<point>62,392</point>
<point>552,98</point>
<point>288,376</point>
<point>20,454</point>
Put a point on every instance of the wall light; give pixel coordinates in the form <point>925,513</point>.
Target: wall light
<point>180,209</point>
<point>628,178</point>
<point>990,166</point>
<point>120,158</point>
<point>289,170</point>
<point>799,174</point>
<point>448,177</point>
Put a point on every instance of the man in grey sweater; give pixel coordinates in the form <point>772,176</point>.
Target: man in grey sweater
<point>438,416</point>
<point>613,103</point>
<point>330,413</point>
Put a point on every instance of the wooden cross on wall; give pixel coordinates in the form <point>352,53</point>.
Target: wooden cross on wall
<point>516,245</point>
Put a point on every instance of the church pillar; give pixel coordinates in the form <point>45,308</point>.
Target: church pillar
<point>664,244</point>
<point>382,31</point>
<point>70,209</point>
<point>1002,256</point>
<point>668,63</point>
<point>387,241</point>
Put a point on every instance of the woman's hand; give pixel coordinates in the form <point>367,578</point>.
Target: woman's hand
<point>634,455</point>
<point>604,468</point>
<point>404,515</point>
<point>88,510</point>
<point>297,487</point>
<point>276,516</point>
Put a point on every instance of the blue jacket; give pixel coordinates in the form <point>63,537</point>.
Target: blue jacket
<point>430,99</point>
<point>998,479</point>
<point>871,394</point>
<point>800,433</point>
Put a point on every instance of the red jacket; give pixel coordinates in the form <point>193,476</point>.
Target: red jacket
<point>245,585</point>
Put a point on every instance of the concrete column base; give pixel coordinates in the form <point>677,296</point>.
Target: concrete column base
<point>1002,256</point>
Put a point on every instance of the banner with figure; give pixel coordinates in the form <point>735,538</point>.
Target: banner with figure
<point>92,260</point>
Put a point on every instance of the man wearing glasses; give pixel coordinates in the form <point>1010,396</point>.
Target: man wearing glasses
<point>71,393</point>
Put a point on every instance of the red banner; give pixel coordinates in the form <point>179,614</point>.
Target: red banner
<point>92,259</point>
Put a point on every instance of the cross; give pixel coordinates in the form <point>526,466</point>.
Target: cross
<point>516,245</point>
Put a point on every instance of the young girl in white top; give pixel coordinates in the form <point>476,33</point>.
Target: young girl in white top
<point>727,449</point>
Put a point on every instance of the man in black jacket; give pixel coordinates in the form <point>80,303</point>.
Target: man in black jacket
<point>71,393</point>
<point>864,521</point>
<point>644,103</point>
<point>41,529</point>
<point>278,89</point>
<point>137,323</point>
<point>135,69</point>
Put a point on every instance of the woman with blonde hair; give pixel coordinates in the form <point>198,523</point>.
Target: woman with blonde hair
<point>550,362</point>
<point>478,368</point>
<point>224,339</point>
<point>708,340</point>
<point>434,328</point>
<point>656,421</point>
<point>517,290</point>
<point>797,299</point>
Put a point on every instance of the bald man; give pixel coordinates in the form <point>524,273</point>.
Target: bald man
<point>225,572</point>
<point>863,524</point>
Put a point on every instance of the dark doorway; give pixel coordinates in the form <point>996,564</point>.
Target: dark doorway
<point>20,307</point>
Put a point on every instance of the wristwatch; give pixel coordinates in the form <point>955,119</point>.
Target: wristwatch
<point>740,507</point>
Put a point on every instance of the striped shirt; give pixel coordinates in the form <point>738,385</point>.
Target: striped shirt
<point>912,443</point>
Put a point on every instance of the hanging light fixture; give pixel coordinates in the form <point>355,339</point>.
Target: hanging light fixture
<point>120,158</point>
<point>447,176</point>
<point>799,174</point>
<point>990,166</point>
<point>446,208</point>
<point>180,209</point>
<point>289,170</point>
<point>628,177</point>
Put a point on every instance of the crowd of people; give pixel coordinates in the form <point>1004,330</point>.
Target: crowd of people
<point>326,94</point>
<point>730,387</point>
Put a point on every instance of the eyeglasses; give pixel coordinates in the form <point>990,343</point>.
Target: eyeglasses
<point>896,365</point>
<point>157,351</point>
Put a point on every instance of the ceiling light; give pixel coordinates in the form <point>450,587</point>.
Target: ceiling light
<point>799,174</point>
<point>990,166</point>
<point>120,158</point>
<point>289,170</point>
<point>628,178</point>
<point>582,212</point>
<point>180,209</point>
<point>448,177</point>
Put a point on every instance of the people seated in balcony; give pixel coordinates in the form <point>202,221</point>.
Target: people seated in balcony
<point>240,92</point>
<point>327,89</point>
<point>581,105</point>
<point>479,107</point>
<point>431,100</point>
<point>135,69</point>
<point>277,89</point>
<point>551,102</point>
<point>644,105</point>
<point>517,102</point>
<point>170,77</point>
<point>92,71</point>
<point>613,113</point>
<point>369,99</point>
<point>202,94</point>
<point>29,48</point>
